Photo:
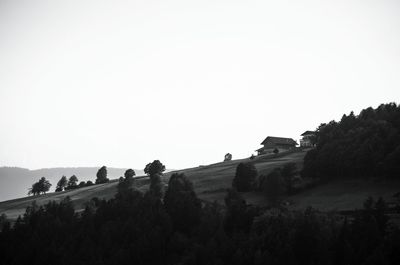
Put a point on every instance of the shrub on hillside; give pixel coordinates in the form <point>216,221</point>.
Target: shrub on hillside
<point>101,176</point>
<point>239,216</point>
<point>89,183</point>
<point>156,186</point>
<point>227,157</point>
<point>288,172</point>
<point>244,180</point>
<point>125,184</point>
<point>4,223</point>
<point>273,186</point>
<point>182,204</point>
<point>82,184</point>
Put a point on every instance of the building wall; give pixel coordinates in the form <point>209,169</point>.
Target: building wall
<point>269,148</point>
<point>306,141</point>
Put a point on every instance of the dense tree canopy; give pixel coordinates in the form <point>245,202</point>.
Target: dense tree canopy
<point>273,185</point>
<point>42,186</point>
<point>155,170</point>
<point>62,183</point>
<point>157,186</point>
<point>246,174</point>
<point>155,167</point>
<point>139,228</point>
<point>101,176</point>
<point>129,173</point>
<point>239,215</point>
<point>82,184</point>
<point>125,184</point>
<point>367,145</point>
<point>72,183</point>
<point>182,203</point>
<point>288,172</point>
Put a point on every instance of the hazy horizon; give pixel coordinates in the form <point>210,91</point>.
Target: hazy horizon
<point>89,83</point>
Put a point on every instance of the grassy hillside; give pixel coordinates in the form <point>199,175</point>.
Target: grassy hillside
<point>211,181</point>
<point>338,195</point>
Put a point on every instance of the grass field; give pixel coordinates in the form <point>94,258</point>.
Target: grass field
<point>211,181</point>
<point>344,195</point>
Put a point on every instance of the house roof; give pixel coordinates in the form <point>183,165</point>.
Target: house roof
<point>279,140</point>
<point>307,132</point>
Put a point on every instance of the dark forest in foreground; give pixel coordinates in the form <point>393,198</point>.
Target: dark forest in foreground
<point>137,228</point>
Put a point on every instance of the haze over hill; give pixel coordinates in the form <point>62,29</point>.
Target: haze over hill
<point>15,181</point>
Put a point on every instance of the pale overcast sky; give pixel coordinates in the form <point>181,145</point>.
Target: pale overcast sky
<point>121,83</point>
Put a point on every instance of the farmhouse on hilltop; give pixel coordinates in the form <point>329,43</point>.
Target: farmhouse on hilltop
<point>308,139</point>
<point>279,143</point>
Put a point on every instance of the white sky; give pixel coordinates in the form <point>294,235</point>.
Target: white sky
<point>121,83</point>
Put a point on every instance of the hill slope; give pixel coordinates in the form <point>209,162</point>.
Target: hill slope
<point>210,183</point>
<point>15,181</point>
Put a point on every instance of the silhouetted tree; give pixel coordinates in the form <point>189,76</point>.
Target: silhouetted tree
<point>82,184</point>
<point>156,186</point>
<point>288,171</point>
<point>34,190</point>
<point>4,223</point>
<point>154,170</point>
<point>62,183</point>
<point>125,185</point>
<point>89,183</point>
<point>182,203</point>
<point>155,167</point>
<point>72,183</point>
<point>129,173</point>
<point>246,174</point>
<point>344,253</point>
<point>239,216</point>
<point>101,176</point>
<point>391,163</point>
<point>273,186</point>
<point>380,216</point>
<point>42,186</point>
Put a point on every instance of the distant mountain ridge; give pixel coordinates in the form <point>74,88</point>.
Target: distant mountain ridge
<point>15,181</point>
